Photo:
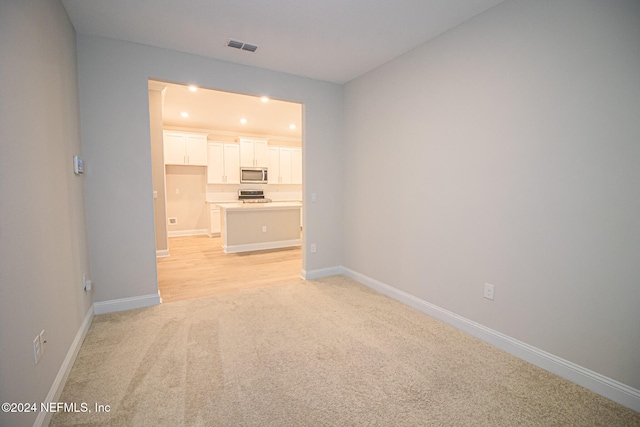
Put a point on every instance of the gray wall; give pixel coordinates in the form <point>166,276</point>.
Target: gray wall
<point>506,151</point>
<point>43,249</point>
<point>114,105</point>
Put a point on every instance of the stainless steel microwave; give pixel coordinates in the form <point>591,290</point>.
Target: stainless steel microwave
<point>253,175</point>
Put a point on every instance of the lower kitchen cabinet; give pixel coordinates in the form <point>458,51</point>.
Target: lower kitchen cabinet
<point>214,220</point>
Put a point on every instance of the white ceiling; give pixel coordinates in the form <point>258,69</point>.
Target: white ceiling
<point>222,111</point>
<point>331,40</point>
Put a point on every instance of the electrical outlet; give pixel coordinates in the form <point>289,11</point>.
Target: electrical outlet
<point>488,291</point>
<point>173,221</point>
<point>43,342</point>
<point>264,228</point>
<point>37,349</point>
<point>313,248</point>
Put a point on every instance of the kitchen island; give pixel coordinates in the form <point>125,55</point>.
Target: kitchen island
<point>258,226</point>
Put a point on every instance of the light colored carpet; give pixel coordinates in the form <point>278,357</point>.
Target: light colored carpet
<point>328,352</point>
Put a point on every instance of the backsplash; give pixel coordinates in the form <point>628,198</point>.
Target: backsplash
<point>275,192</point>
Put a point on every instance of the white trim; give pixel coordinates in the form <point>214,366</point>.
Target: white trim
<point>163,253</point>
<point>320,272</point>
<point>231,249</point>
<point>180,233</point>
<point>122,304</point>
<point>604,386</point>
<point>60,380</point>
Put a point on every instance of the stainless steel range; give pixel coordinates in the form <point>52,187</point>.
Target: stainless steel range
<point>252,196</point>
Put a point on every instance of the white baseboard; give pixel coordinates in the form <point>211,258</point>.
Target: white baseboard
<point>232,249</point>
<point>179,233</point>
<point>320,272</point>
<point>163,253</point>
<point>55,391</point>
<point>122,304</point>
<point>604,386</point>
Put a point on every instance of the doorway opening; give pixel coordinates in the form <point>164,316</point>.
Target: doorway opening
<point>201,140</point>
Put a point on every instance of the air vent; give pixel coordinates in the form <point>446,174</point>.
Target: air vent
<point>234,44</point>
<point>241,45</point>
<point>249,47</point>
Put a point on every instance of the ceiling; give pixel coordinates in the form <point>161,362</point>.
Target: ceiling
<point>330,40</point>
<point>222,111</point>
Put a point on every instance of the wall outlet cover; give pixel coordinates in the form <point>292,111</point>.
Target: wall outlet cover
<point>488,291</point>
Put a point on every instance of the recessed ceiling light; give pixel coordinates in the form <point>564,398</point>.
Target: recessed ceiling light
<point>184,114</point>
<point>264,99</point>
<point>292,126</point>
<point>243,120</point>
<point>193,88</point>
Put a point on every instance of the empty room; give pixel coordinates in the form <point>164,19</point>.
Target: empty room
<point>466,209</point>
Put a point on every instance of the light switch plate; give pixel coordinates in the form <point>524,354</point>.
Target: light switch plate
<point>78,165</point>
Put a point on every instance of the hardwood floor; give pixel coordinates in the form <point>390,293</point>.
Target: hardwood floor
<point>198,267</point>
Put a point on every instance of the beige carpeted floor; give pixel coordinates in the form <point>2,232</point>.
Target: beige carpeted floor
<point>329,352</point>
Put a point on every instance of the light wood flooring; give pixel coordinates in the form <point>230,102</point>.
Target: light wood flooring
<point>198,267</point>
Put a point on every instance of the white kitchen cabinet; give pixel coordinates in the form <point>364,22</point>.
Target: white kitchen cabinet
<point>274,165</point>
<point>296,165</point>
<point>285,165</point>
<point>214,220</point>
<point>223,163</point>
<point>185,148</point>
<point>254,152</point>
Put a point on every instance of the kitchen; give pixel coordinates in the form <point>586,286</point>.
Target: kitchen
<point>202,142</point>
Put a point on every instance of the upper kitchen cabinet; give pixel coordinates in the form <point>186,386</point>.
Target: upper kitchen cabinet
<point>254,152</point>
<point>279,165</point>
<point>296,165</point>
<point>184,148</point>
<point>285,165</point>
<point>224,163</point>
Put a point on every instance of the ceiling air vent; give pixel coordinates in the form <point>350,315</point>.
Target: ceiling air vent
<point>241,45</point>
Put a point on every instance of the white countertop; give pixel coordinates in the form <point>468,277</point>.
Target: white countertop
<point>264,206</point>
